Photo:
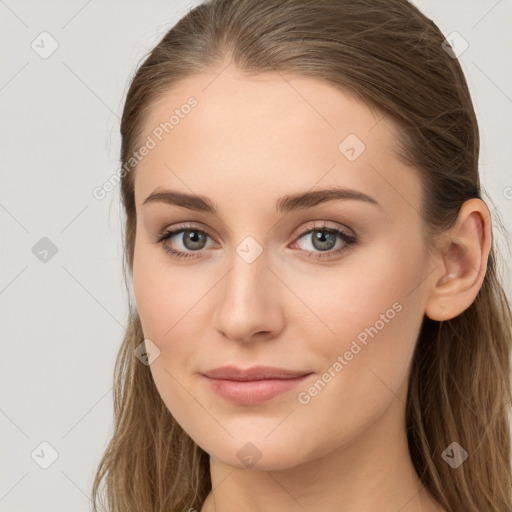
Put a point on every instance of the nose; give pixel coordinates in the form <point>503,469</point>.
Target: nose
<point>248,301</point>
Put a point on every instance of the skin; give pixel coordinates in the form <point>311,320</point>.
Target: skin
<point>250,141</point>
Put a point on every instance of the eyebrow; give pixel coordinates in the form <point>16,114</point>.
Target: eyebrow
<point>285,204</point>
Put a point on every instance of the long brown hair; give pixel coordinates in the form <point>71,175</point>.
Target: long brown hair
<point>392,57</point>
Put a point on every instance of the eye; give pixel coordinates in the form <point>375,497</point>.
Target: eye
<point>321,237</point>
<point>191,238</point>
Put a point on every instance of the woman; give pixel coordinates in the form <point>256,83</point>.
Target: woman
<point>318,322</point>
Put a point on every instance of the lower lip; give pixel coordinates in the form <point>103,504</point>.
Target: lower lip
<point>253,391</point>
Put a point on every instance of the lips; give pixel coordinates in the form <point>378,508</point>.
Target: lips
<point>253,385</point>
<point>254,373</point>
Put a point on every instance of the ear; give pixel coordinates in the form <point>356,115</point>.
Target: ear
<point>461,258</point>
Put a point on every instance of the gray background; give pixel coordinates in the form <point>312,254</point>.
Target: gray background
<point>62,319</point>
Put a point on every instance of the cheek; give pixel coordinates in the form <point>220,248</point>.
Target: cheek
<point>348,299</point>
<point>149,301</point>
<point>162,294</point>
<point>171,303</point>
<point>168,308</point>
<point>369,313</point>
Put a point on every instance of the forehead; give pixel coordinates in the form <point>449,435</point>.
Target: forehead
<point>268,135</point>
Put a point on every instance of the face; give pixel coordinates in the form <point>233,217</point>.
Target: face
<point>334,290</point>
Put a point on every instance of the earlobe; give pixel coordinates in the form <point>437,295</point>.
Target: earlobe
<point>462,258</point>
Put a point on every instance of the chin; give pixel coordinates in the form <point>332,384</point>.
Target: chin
<point>259,454</point>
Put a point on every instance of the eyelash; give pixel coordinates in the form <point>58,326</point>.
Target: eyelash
<point>348,240</point>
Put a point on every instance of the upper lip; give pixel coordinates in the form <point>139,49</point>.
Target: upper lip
<point>254,373</point>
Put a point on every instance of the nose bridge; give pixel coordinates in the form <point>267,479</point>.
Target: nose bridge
<point>247,302</point>
<point>247,278</point>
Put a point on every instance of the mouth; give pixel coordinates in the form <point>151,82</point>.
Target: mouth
<point>254,385</point>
